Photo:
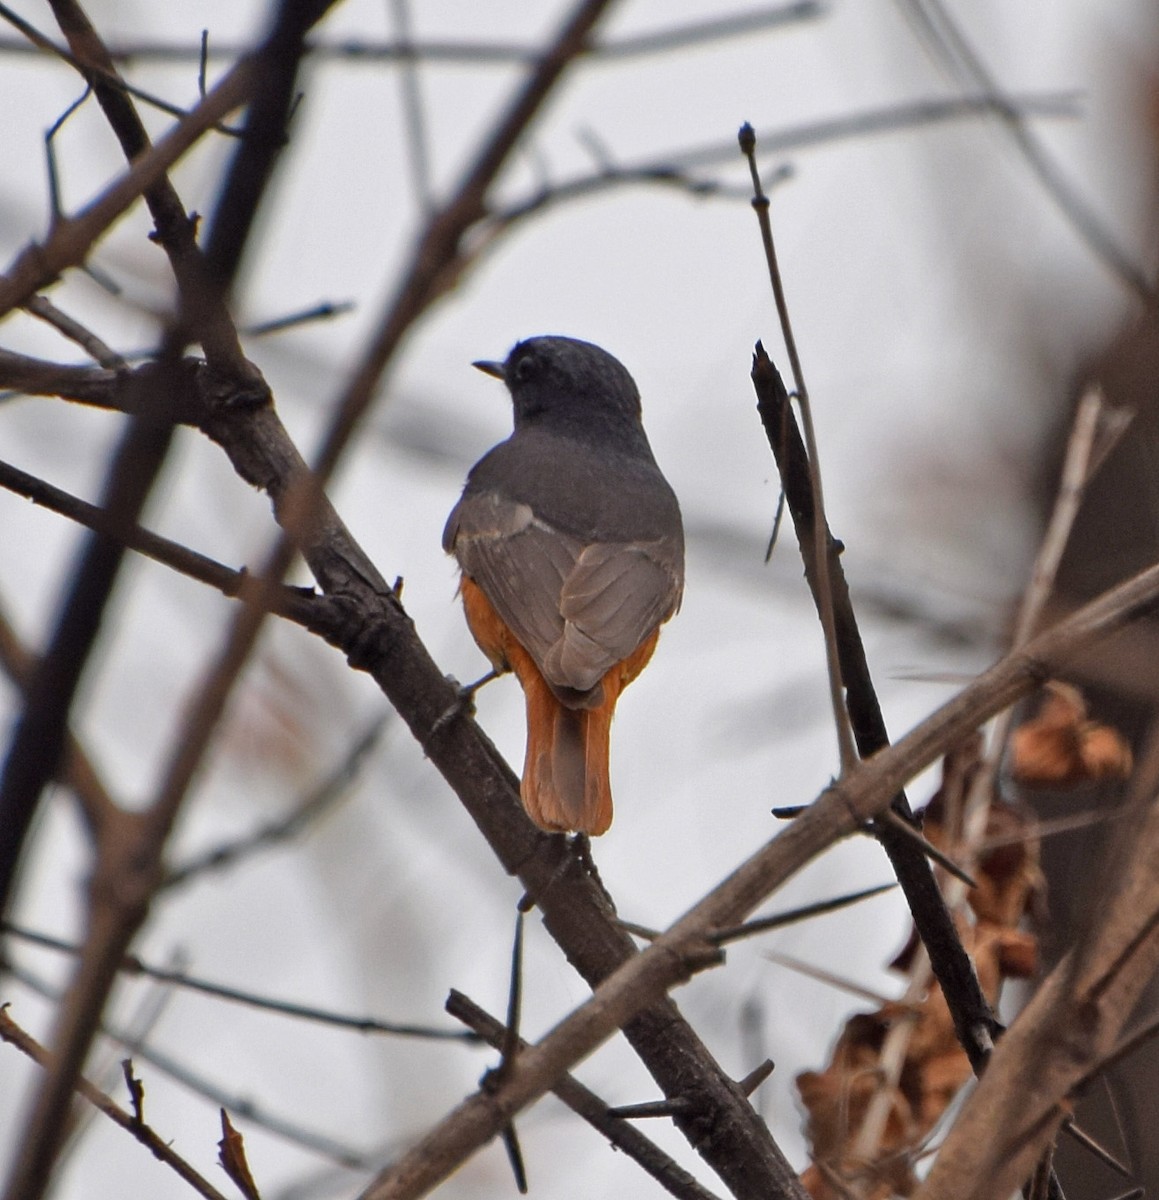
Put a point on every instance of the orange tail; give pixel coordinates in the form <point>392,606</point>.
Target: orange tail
<point>565,783</point>
<point>565,774</point>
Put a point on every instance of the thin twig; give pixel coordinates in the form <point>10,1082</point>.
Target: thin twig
<point>352,51</point>
<point>929,849</point>
<point>891,1062</point>
<point>779,920</point>
<point>1086,450</point>
<point>73,237</point>
<point>1051,827</point>
<point>325,311</point>
<point>42,307</point>
<point>105,1071</point>
<point>132,965</point>
<point>502,221</point>
<point>1076,474</point>
<point>288,602</point>
<point>161,1149</point>
<point>413,109</point>
<point>830,978</point>
<point>317,801</point>
<point>622,1135</point>
<point>845,741</point>
<point>38,43</point>
<point>1095,1147</point>
<point>200,1085</point>
<point>56,207</point>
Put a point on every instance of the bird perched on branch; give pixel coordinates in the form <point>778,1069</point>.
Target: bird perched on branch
<point>572,555</point>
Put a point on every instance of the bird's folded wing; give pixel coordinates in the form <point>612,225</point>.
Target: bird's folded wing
<point>576,609</point>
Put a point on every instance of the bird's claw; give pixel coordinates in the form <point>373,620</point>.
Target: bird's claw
<point>464,703</point>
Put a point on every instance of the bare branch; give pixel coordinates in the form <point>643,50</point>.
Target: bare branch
<point>824,592</point>
<point>132,965</point>
<point>974,1022</point>
<point>38,43</point>
<point>161,1149</point>
<point>805,912</point>
<point>72,238</point>
<point>42,307</point>
<point>200,1085</point>
<point>128,869</point>
<point>680,952</point>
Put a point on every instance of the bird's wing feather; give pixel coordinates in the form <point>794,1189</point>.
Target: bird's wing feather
<point>577,609</point>
<point>614,597</point>
<point>519,564</point>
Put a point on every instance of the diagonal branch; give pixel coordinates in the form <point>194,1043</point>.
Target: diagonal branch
<point>96,804</point>
<point>621,1133</point>
<point>686,947</point>
<point>161,1149</point>
<point>202,297</point>
<point>937,28</point>
<point>379,637</point>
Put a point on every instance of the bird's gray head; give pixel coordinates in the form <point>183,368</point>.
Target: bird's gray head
<point>568,384</point>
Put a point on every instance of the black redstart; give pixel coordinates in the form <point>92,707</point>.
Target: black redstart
<point>572,552</point>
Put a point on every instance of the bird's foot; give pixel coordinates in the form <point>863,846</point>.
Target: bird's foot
<point>464,703</point>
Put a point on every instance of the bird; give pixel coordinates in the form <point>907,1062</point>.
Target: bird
<point>570,545</point>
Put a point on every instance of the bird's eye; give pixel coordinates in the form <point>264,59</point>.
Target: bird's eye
<point>524,368</point>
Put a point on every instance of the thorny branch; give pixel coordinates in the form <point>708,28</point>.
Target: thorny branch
<point>681,951</point>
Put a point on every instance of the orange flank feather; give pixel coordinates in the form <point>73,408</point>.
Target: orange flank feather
<point>565,783</point>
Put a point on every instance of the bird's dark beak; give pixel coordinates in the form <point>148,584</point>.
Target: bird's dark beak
<point>490,368</point>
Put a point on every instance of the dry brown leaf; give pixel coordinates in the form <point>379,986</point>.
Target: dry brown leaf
<point>1061,746</point>
<point>935,1067</point>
